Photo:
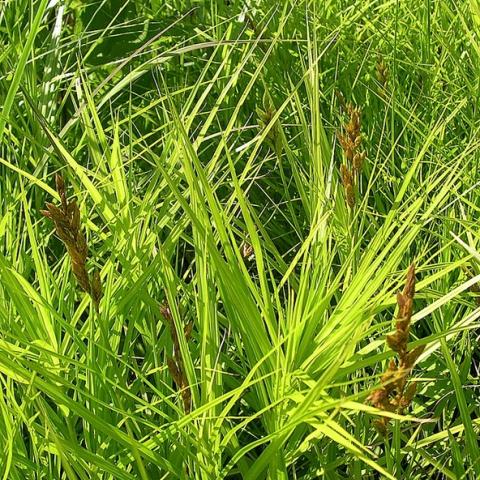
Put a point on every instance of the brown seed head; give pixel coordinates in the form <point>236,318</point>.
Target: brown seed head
<point>350,139</point>
<point>67,227</point>
<point>394,394</point>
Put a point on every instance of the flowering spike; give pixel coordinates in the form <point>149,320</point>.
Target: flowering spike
<point>394,395</point>
<point>67,227</point>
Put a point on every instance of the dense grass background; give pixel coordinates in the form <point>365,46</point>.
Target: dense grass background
<point>188,131</point>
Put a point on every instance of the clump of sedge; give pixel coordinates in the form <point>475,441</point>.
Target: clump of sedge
<point>66,219</point>
<point>175,364</point>
<point>351,142</point>
<point>394,394</point>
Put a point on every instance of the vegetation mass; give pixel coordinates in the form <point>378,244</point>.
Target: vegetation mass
<point>239,239</point>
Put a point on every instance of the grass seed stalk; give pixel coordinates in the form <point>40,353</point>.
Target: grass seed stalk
<point>394,395</point>
<point>66,219</point>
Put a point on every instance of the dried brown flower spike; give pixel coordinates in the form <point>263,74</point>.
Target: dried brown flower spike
<point>175,363</point>
<point>351,140</point>
<point>67,227</point>
<point>394,395</point>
